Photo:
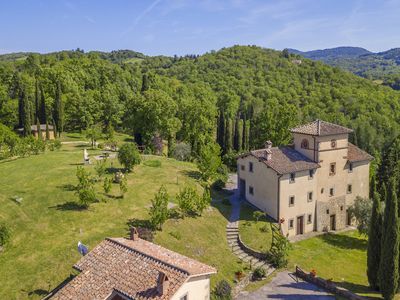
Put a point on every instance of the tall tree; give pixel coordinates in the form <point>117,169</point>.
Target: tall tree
<point>389,260</point>
<point>42,107</point>
<point>37,101</point>
<point>374,242</point>
<point>58,110</point>
<point>228,136</point>
<point>25,113</point>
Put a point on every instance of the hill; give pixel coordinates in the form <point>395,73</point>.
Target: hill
<point>242,95</point>
<point>384,66</point>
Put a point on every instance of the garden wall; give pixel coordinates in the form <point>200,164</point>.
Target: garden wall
<point>327,285</point>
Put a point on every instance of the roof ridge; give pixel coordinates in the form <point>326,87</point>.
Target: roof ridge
<point>150,256</point>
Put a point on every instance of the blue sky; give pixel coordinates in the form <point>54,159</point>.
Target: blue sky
<point>196,26</point>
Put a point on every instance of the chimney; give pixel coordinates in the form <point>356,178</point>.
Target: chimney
<point>162,283</point>
<point>268,151</point>
<point>134,234</point>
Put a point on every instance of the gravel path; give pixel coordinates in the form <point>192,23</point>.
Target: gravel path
<point>284,286</point>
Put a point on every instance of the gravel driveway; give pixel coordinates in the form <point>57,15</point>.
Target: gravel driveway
<point>284,286</point>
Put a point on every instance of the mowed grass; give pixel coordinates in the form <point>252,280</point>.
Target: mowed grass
<point>340,257</point>
<point>256,235</point>
<point>47,226</point>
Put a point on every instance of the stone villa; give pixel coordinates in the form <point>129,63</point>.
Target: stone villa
<point>120,268</point>
<point>307,186</point>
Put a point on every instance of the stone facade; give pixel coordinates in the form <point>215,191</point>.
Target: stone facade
<point>333,208</point>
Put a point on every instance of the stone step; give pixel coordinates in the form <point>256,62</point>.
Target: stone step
<point>232,229</point>
<point>235,247</point>
<point>257,264</point>
<point>232,234</point>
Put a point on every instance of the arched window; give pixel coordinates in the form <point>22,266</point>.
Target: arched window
<point>304,144</point>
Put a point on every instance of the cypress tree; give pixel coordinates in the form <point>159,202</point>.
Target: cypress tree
<point>38,129</point>
<point>389,261</point>
<point>240,135</point>
<point>58,110</point>
<point>37,100</point>
<point>228,136</point>
<point>244,134</point>
<point>374,242</point>
<point>221,129</point>
<point>236,134</point>
<point>47,131</point>
<point>26,114</point>
<point>42,107</point>
<point>145,83</point>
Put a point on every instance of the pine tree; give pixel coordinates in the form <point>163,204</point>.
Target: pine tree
<point>374,242</point>
<point>389,261</point>
<point>58,110</point>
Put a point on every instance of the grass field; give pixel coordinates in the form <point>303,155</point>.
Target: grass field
<point>340,257</point>
<point>47,226</point>
<point>256,235</point>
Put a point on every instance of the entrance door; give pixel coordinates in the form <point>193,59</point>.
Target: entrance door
<point>242,188</point>
<point>333,222</point>
<point>300,225</point>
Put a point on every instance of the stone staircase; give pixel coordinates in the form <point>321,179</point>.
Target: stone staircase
<point>232,235</point>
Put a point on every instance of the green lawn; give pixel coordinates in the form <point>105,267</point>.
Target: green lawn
<point>46,226</point>
<point>341,257</point>
<point>256,235</point>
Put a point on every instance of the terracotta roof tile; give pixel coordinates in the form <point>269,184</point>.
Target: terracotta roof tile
<point>321,128</point>
<point>132,269</point>
<point>285,160</point>
<point>355,154</point>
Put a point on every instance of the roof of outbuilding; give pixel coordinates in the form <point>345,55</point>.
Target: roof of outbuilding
<point>321,128</point>
<point>284,160</point>
<point>355,154</point>
<point>130,268</point>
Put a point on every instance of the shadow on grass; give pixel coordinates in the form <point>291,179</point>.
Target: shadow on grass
<point>144,228</point>
<point>70,205</point>
<point>129,140</point>
<point>114,196</point>
<point>38,292</point>
<point>77,164</point>
<point>220,200</point>
<point>113,170</point>
<point>359,289</point>
<point>344,241</point>
<point>192,174</point>
<point>67,187</point>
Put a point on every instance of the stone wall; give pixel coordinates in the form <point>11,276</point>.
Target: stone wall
<point>334,206</point>
<point>250,251</point>
<point>327,285</point>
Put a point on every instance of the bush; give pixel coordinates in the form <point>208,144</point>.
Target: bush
<point>218,184</point>
<point>209,161</point>
<point>230,160</point>
<point>187,199</point>
<point>223,290</point>
<point>182,152</point>
<point>107,185</point>
<point>101,167</point>
<point>4,235</point>
<point>259,273</point>
<point>129,156</point>
<point>123,186</point>
<point>278,255</point>
<point>361,210</point>
<point>53,145</point>
<point>257,215</point>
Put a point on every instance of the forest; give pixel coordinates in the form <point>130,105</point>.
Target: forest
<point>237,97</point>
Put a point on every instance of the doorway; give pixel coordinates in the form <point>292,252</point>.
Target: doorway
<point>300,225</point>
<point>242,188</point>
<point>333,222</point>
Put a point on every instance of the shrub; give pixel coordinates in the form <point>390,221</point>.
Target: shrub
<point>218,184</point>
<point>230,160</point>
<point>123,186</point>
<point>259,273</point>
<point>209,161</point>
<point>101,167</point>
<point>223,290</point>
<point>53,145</point>
<point>182,151</point>
<point>4,235</point>
<point>361,210</point>
<point>278,255</point>
<point>159,208</point>
<point>129,156</point>
<point>107,185</point>
<point>258,214</point>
